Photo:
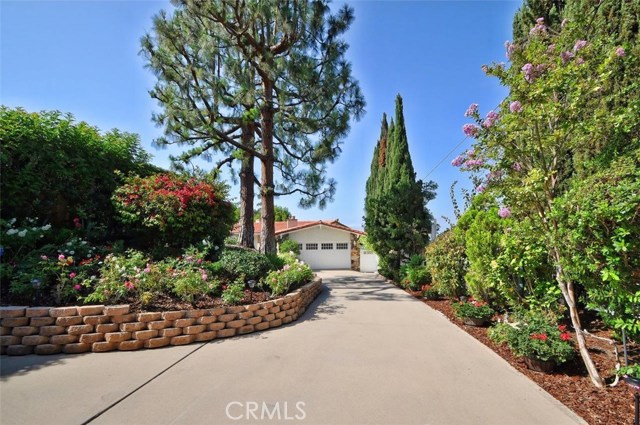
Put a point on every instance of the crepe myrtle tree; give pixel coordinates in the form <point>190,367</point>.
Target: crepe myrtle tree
<point>559,105</point>
<point>257,80</point>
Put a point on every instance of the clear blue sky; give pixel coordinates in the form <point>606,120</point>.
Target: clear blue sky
<point>82,57</point>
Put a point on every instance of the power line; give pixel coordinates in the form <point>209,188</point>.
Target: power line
<point>446,156</point>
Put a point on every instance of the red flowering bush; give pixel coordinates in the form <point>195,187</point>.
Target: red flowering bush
<point>537,336</point>
<point>172,211</point>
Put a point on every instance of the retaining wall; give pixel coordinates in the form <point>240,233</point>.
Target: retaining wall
<point>99,328</point>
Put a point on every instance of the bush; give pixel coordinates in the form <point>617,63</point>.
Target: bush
<point>234,293</point>
<point>239,262</point>
<point>168,210</point>
<point>537,336</point>
<point>447,262</point>
<point>473,310</point>
<point>292,275</point>
<point>431,294</point>
<point>57,169</point>
<point>414,273</point>
<point>289,245</point>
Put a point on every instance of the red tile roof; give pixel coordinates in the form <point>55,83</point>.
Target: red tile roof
<point>283,227</point>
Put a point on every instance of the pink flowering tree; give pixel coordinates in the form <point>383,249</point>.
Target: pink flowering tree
<point>561,116</point>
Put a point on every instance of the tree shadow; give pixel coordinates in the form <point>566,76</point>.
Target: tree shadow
<point>11,366</point>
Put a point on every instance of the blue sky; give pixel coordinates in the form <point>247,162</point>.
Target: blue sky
<point>82,57</point>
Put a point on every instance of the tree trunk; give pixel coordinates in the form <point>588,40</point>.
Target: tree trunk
<point>268,230</point>
<point>566,286</point>
<point>246,191</point>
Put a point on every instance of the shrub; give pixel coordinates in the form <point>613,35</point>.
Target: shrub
<point>239,262</point>
<point>537,336</point>
<point>414,273</point>
<point>289,245</point>
<point>447,263</point>
<point>473,309</point>
<point>233,293</point>
<point>191,284</point>
<point>632,370</point>
<point>168,210</point>
<point>289,277</point>
<point>431,294</point>
<point>57,169</point>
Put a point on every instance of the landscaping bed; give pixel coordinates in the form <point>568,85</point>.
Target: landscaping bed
<point>570,383</point>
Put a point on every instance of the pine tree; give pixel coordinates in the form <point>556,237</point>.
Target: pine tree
<point>397,220</point>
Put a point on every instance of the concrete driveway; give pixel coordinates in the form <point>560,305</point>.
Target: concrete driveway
<point>364,353</point>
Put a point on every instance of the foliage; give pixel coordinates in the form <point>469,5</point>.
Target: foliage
<point>572,109</point>
<point>292,275</point>
<point>397,220</point>
<point>414,273</point>
<point>483,232</point>
<point>57,169</point>
<point>173,211</point>
<point>431,294</point>
<point>240,262</point>
<point>631,370</point>
<point>289,245</point>
<point>281,214</point>
<point>277,67</point>
<point>233,293</point>
<point>537,336</point>
<point>599,227</point>
<point>473,309</point>
<point>447,263</point>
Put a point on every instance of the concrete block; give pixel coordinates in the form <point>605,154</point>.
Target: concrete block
<point>63,311</point>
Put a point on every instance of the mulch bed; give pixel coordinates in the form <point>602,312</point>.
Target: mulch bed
<point>570,383</point>
<point>167,303</point>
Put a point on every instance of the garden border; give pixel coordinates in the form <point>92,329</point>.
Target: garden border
<point>99,328</point>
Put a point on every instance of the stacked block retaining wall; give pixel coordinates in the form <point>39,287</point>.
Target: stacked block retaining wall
<point>99,328</point>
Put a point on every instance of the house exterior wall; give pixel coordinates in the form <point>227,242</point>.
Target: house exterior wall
<point>324,258</point>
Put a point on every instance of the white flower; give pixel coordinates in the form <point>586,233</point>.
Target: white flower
<point>88,255</point>
<point>72,252</point>
<point>34,228</point>
<point>69,244</point>
<point>46,227</point>
<point>12,231</point>
<point>83,242</point>
<point>22,233</point>
<point>42,236</point>
<point>12,221</point>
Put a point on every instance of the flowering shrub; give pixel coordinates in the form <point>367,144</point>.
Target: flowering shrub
<point>473,309</point>
<point>414,274</point>
<point>447,263</point>
<point>293,274</point>
<point>234,293</point>
<point>536,336</point>
<point>173,211</point>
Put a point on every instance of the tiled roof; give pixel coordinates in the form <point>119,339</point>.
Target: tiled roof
<point>283,227</point>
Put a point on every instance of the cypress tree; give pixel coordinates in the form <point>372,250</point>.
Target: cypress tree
<point>397,220</point>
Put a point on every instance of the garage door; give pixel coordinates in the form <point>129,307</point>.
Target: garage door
<point>326,255</point>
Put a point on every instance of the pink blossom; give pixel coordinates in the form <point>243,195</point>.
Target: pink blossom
<point>517,166</point>
<point>129,285</point>
<point>515,106</point>
<point>539,28</point>
<point>72,275</point>
<point>472,163</point>
<point>147,270</point>
<point>510,48</point>
<point>44,257</point>
<point>566,57</point>
<point>480,188</point>
<point>492,117</point>
<point>204,276</point>
<point>620,52</point>
<point>580,44</point>
<point>61,257</point>
<point>551,48</point>
<point>77,287</point>
<point>286,267</point>
<point>504,212</point>
<point>471,110</point>
<point>470,130</point>
<point>579,61</point>
<point>457,161</point>
<point>563,23</point>
<point>529,71</point>
<point>485,69</point>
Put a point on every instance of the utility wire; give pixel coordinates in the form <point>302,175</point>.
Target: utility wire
<point>446,156</point>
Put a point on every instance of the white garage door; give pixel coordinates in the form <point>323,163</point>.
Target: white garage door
<point>326,255</point>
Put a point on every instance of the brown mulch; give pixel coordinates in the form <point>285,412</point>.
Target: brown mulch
<point>570,383</point>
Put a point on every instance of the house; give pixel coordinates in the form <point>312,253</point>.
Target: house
<point>323,244</point>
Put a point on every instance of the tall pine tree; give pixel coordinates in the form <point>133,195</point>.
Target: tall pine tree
<point>397,220</point>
